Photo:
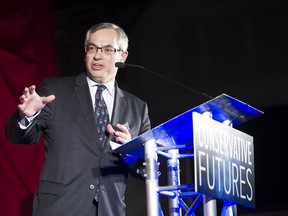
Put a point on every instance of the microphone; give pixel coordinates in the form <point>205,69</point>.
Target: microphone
<point>123,65</point>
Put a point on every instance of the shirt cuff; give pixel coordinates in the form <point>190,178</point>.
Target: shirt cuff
<point>25,122</point>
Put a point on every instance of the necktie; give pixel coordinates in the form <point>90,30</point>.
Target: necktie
<point>101,113</point>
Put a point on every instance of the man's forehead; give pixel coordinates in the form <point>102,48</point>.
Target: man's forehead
<point>104,37</point>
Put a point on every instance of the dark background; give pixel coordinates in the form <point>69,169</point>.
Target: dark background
<point>217,46</point>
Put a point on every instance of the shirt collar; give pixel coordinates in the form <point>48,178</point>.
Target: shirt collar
<point>109,85</point>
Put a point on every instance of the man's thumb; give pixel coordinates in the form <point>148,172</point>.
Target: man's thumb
<point>48,99</point>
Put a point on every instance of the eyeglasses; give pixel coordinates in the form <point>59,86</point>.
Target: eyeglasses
<point>92,49</point>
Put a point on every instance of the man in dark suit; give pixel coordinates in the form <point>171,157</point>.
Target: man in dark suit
<point>80,176</point>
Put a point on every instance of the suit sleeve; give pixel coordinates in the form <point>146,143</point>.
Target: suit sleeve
<point>21,136</point>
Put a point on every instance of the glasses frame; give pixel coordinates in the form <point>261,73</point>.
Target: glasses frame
<point>108,50</point>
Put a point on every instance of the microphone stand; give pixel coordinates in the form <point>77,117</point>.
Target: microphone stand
<point>123,65</point>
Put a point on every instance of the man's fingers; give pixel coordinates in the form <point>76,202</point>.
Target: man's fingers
<point>121,140</point>
<point>27,92</point>
<point>22,98</point>
<point>110,129</point>
<point>20,106</point>
<point>48,99</point>
<point>121,136</point>
<point>122,128</point>
<point>124,135</point>
<point>32,89</point>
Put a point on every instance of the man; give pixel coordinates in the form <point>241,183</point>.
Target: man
<point>81,176</point>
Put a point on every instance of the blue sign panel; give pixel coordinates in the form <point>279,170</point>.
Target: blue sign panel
<point>224,161</point>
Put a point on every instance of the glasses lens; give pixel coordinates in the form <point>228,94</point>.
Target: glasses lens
<point>108,50</point>
<point>90,49</point>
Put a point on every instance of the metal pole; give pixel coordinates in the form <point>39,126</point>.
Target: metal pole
<point>209,206</point>
<point>174,179</point>
<point>229,210</point>
<point>151,168</point>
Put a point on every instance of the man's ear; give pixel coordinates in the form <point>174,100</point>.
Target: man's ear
<point>124,56</point>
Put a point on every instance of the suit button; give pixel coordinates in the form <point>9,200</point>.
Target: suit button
<point>92,187</point>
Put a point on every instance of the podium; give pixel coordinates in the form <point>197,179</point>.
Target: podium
<point>223,158</point>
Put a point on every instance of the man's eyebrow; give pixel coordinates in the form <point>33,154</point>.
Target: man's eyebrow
<point>105,46</point>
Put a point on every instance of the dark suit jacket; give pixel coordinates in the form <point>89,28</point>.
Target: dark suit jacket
<point>75,164</point>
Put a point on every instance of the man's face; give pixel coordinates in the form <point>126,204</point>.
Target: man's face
<point>100,63</point>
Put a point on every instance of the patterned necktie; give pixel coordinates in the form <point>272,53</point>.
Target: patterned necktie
<point>101,113</point>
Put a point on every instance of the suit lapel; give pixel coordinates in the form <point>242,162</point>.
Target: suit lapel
<point>119,106</point>
<point>84,98</point>
<point>118,110</point>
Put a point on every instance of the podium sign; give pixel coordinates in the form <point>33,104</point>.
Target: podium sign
<point>224,161</point>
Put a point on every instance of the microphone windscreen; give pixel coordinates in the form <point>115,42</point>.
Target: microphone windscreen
<point>120,65</point>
